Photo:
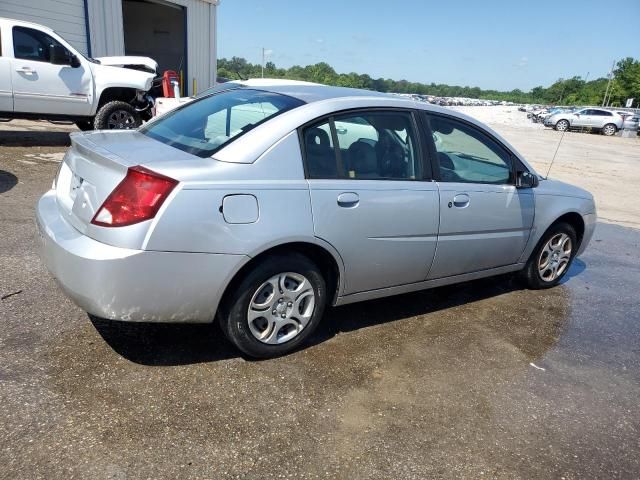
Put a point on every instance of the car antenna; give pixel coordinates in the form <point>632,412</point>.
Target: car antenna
<point>554,155</point>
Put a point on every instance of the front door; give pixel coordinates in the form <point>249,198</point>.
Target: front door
<point>41,87</point>
<point>485,221</point>
<point>370,198</point>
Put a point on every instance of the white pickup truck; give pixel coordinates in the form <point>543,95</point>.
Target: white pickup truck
<point>43,77</point>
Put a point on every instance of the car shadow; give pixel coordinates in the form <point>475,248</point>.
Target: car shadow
<point>34,138</point>
<point>7,181</point>
<point>157,344</point>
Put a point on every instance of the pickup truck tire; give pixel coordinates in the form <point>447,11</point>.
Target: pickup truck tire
<point>117,115</point>
<point>84,125</point>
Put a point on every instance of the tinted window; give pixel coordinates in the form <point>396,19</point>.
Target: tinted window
<point>30,44</point>
<point>207,124</point>
<point>370,146</point>
<point>320,152</point>
<point>467,155</point>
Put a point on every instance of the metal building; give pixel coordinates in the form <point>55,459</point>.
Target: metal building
<point>179,34</point>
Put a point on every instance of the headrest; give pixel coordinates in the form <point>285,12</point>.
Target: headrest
<point>363,158</point>
<point>317,136</point>
<point>441,126</point>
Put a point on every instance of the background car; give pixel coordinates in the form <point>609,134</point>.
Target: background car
<point>597,119</point>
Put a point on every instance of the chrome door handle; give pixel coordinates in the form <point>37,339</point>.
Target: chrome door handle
<point>460,201</point>
<point>348,199</point>
<point>25,70</point>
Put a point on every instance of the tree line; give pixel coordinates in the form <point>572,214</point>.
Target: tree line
<point>569,91</point>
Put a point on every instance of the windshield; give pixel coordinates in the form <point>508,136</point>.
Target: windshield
<point>205,125</point>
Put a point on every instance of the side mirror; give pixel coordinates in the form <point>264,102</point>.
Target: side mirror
<point>525,179</point>
<point>58,55</point>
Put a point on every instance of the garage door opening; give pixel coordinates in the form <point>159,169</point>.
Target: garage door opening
<point>156,29</point>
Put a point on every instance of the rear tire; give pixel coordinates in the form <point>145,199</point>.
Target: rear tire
<point>609,129</point>
<point>551,258</point>
<point>117,115</point>
<point>562,125</point>
<point>275,307</point>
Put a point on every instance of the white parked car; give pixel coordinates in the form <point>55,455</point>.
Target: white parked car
<point>43,77</point>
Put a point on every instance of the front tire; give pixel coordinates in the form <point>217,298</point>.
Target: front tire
<point>117,115</point>
<point>552,257</point>
<point>609,129</point>
<point>562,125</point>
<point>275,307</point>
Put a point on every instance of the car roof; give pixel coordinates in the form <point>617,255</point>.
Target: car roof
<point>310,92</point>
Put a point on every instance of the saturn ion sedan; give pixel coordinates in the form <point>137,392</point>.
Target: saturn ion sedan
<point>259,203</point>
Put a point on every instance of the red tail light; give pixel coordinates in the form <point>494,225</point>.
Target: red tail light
<point>137,198</point>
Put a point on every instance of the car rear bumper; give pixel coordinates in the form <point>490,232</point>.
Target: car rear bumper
<point>132,285</point>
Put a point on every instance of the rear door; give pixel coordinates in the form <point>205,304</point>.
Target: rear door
<point>485,221</point>
<point>372,196</point>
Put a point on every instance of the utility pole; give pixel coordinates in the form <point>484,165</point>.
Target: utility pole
<point>606,92</point>
<point>262,62</point>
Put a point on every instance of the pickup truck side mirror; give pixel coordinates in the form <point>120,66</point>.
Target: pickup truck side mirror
<point>58,55</point>
<point>526,179</point>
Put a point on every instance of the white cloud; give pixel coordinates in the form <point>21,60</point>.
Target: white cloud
<point>524,61</point>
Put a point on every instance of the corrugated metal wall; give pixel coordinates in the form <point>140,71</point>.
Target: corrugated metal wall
<point>105,27</point>
<point>107,36</point>
<point>64,16</point>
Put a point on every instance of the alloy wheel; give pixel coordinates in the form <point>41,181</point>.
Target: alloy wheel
<point>281,308</point>
<point>121,120</point>
<point>555,257</point>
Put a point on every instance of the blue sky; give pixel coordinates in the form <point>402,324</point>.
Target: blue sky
<point>486,43</point>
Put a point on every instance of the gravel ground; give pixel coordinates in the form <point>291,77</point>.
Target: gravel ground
<point>481,380</point>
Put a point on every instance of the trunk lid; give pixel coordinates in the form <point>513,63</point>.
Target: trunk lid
<point>92,168</point>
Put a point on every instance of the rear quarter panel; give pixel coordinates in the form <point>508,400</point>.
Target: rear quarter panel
<point>194,222</point>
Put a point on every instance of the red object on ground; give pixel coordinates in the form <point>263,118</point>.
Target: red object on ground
<point>168,78</point>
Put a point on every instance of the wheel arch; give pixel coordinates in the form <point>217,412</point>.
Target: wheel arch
<point>109,94</point>
<point>323,255</point>
<point>576,221</point>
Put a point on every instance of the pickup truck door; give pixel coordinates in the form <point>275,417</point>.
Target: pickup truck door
<point>44,88</point>
<point>6,93</point>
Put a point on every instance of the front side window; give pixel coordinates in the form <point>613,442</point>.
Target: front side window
<point>466,155</point>
<point>31,44</point>
<point>207,124</point>
<point>373,145</point>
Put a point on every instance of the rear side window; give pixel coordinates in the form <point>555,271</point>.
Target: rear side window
<point>31,44</point>
<point>466,155</point>
<point>207,124</point>
<point>375,145</point>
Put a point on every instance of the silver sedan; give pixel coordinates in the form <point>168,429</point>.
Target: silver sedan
<point>597,119</point>
<point>262,202</point>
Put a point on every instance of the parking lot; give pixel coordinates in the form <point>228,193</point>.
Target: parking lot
<point>481,380</point>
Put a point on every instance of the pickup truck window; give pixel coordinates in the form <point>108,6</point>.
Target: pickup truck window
<point>31,44</point>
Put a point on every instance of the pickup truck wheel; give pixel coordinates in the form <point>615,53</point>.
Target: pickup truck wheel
<point>609,129</point>
<point>84,125</point>
<point>117,115</point>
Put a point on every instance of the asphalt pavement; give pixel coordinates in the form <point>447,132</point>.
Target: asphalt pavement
<point>480,380</point>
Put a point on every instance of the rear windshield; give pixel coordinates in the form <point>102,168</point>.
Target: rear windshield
<point>207,124</point>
